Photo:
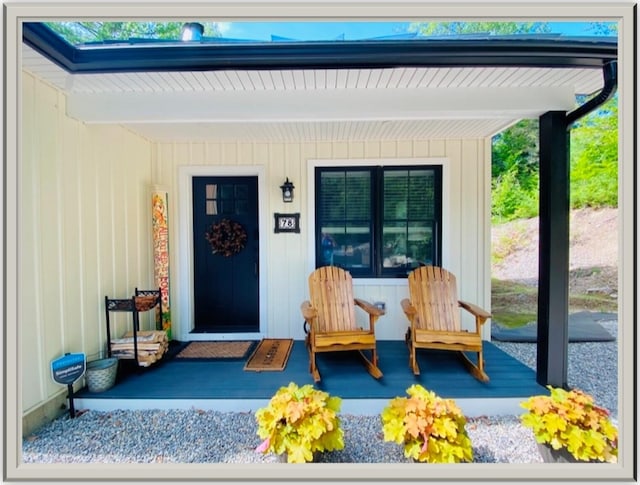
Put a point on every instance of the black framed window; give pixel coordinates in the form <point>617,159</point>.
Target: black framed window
<point>378,222</point>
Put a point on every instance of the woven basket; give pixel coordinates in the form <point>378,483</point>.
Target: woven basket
<point>101,374</point>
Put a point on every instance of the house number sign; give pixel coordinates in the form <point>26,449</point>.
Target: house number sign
<point>287,222</point>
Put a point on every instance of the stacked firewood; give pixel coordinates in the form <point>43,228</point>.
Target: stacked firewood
<point>152,345</point>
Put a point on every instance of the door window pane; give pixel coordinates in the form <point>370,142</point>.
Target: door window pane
<point>211,191</point>
<point>212,208</point>
<point>226,191</point>
<point>226,207</point>
<point>242,207</point>
<point>242,191</point>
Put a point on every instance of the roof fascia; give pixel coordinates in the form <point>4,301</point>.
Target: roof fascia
<point>501,52</point>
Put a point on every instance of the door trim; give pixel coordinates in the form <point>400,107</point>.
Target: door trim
<point>185,312</point>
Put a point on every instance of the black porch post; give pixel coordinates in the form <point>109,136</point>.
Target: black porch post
<point>553,263</point>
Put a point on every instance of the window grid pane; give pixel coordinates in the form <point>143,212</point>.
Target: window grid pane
<point>421,195</point>
<point>344,216</point>
<point>407,219</point>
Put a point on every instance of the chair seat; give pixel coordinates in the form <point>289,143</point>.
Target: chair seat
<point>433,311</point>
<point>330,319</point>
<point>460,340</point>
<point>353,340</point>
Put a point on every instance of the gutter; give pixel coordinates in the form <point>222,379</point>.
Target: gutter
<point>530,51</point>
<point>610,73</point>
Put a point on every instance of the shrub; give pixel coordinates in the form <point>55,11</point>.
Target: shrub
<point>571,420</point>
<point>431,429</point>
<point>300,421</point>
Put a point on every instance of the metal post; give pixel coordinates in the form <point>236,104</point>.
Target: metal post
<point>553,280</point>
<point>72,409</point>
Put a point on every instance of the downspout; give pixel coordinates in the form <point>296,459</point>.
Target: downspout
<point>610,73</point>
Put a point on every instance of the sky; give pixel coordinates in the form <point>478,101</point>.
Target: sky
<point>350,30</point>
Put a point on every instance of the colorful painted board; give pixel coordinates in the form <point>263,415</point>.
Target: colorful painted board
<point>160,223</point>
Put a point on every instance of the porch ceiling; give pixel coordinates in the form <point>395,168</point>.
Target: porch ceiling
<point>317,104</point>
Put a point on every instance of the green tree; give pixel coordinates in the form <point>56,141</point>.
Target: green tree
<point>510,200</point>
<point>514,171</point>
<point>516,149</point>
<point>603,28</point>
<point>594,158</point>
<point>494,28</point>
<point>83,32</point>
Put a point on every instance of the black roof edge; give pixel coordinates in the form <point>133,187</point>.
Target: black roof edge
<point>485,52</point>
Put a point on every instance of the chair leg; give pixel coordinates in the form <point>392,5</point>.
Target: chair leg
<point>476,370</point>
<point>413,362</point>
<point>372,368</point>
<point>313,368</point>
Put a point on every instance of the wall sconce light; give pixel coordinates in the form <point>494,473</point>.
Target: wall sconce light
<point>192,31</point>
<point>287,191</point>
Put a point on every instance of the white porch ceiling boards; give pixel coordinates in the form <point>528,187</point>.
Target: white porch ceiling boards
<point>319,104</point>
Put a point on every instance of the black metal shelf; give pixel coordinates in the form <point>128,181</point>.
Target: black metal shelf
<point>139,302</point>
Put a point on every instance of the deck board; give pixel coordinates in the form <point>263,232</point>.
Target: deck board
<point>342,375</point>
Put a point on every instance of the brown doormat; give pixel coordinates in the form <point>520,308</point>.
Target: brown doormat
<point>216,350</point>
<point>271,354</point>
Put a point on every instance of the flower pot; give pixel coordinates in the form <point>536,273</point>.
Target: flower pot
<point>101,374</point>
<point>550,455</point>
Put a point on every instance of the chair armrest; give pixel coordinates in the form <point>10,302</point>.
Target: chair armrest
<point>408,309</point>
<point>475,310</point>
<point>369,308</point>
<point>308,312</point>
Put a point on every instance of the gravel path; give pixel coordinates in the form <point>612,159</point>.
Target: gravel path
<point>197,436</point>
<point>203,437</point>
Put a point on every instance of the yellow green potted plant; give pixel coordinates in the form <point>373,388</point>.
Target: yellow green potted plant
<point>431,429</point>
<point>300,422</point>
<point>569,427</point>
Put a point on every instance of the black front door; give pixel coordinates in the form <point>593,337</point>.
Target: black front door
<point>225,254</point>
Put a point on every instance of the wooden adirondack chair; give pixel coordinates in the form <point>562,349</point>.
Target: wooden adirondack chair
<point>330,319</point>
<point>433,310</point>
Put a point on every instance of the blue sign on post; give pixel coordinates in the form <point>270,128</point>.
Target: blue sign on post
<point>66,370</point>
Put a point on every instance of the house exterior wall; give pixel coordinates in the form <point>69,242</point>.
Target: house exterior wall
<point>290,255</point>
<point>85,228</point>
<point>84,234</point>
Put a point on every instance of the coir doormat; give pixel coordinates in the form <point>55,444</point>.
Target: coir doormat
<point>271,354</point>
<point>216,350</point>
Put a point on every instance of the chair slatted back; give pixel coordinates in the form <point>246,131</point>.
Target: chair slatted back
<point>434,294</point>
<point>331,291</point>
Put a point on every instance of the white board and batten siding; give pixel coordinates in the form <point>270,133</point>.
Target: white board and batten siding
<point>85,226</point>
<point>288,257</point>
<point>84,233</point>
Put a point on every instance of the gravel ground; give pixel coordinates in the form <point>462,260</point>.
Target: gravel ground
<point>203,437</point>
<point>197,436</point>
<point>593,366</point>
